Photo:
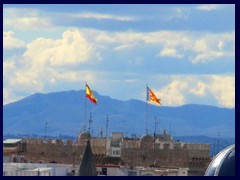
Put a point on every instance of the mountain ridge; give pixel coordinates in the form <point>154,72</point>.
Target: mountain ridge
<point>64,112</point>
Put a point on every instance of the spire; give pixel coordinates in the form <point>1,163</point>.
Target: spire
<point>87,165</point>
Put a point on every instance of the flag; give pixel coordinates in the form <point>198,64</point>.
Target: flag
<point>90,95</point>
<point>151,97</point>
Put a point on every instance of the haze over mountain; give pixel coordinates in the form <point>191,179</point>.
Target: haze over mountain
<point>65,114</point>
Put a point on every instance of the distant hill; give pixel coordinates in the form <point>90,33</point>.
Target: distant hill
<point>65,114</point>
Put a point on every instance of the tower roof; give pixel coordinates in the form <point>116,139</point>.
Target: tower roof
<point>145,138</point>
<point>87,165</point>
<point>84,135</point>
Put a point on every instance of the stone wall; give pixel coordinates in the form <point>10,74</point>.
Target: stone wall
<point>59,151</point>
<point>196,157</point>
<point>52,151</point>
<point>133,153</point>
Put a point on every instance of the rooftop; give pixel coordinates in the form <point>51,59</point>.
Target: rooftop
<point>11,141</point>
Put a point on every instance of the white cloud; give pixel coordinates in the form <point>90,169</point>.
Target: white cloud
<point>99,16</point>
<point>10,41</point>
<point>203,47</point>
<point>104,37</point>
<point>89,76</point>
<point>8,96</point>
<point>122,47</point>
<point>223,88</point>
<point>200,45</point>
<point>199,90</point>
<point>172,94</point>
<point>28,80</point>
<point>220,45</point>
<point>45,63</point>
<point>8,68</point>
<point>208,7</point>
<point>27,19</point>
<point>50,62</point>
<point>33,19</point>
<point>170,52</point>
<point>189,89</point>
<point>72,49</point>
<point>208,56</point>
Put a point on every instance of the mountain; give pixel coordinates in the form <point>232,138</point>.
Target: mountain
<point>65,114</point>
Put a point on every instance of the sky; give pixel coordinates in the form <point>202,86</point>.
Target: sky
<point>185,53</point>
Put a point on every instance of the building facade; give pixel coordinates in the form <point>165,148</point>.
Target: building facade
<point>155,152</point>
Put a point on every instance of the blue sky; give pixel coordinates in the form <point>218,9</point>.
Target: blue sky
<point>185,53</point>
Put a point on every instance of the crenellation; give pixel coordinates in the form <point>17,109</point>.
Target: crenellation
<point>40,141</point>
<point>69,142</point>
<point>49,141</point>
<point>132,152</point>
<point>58,142</point>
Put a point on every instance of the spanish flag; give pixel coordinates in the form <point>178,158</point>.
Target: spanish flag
<point>90,95</point>
<point>151,97</point>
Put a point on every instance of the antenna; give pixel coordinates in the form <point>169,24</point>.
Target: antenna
<point>123,123</point>
<point>218,141</point>
<point>159,124</point>
<point>155,126</point>
<point>101,133</point>
<point>89,122</point>
<point>46,123</point>
<point>107,127</point>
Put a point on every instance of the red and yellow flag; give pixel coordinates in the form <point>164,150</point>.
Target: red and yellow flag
<point>151,97</point>
<point>90,95</point>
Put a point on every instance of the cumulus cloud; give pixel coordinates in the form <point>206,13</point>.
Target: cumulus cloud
<point>173,93</point>
<point>27,80</point>
<point>49,62</point>
<point>223,88</point>
<point>72,49</point>
<point>44,63</point>
<point>11,42</point>
<point>191,89</point>
<point>199,90</point>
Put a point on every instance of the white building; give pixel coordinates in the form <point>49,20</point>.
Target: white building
<point>114,145</point>
<point>35,169</point>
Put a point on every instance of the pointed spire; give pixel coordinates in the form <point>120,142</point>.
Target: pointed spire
<point>87,165</point>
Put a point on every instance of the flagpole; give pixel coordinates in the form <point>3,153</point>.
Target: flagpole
<point>146,107</point>
<point>85,108</point>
